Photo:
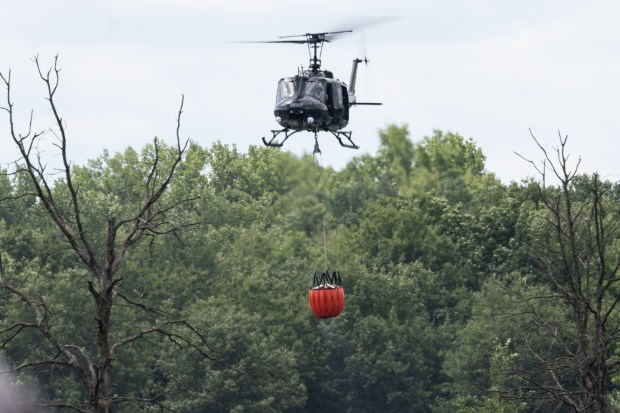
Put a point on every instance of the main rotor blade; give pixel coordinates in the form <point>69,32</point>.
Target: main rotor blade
<point>307,38</point>
<point>275,41</point>
<point>314,34</point>
<point>358,23</point>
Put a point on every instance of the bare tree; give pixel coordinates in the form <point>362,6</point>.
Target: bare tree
<point>150,219</point>
<point>578,254</point>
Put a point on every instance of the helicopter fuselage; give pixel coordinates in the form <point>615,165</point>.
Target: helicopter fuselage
<point>312,101</point>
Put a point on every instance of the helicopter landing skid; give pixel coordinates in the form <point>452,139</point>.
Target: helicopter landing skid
<point>287,134</point>
<point>346,134</point>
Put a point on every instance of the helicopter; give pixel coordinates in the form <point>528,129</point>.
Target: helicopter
<point>313,100</point>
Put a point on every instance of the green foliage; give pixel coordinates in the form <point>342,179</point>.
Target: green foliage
<point>393,365</point>
<point>254,372</point>
<point>450,155</point>
<point>443,296</point>
<point>500,363</point>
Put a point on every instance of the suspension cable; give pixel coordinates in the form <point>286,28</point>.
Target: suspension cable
<point>316,151</point>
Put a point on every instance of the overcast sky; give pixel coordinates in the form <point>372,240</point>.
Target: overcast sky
<point>488,70</point>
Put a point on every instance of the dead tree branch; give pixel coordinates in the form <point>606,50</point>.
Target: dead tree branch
<point>149,218</point>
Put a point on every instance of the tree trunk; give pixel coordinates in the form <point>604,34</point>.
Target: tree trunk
<point>100,389</point>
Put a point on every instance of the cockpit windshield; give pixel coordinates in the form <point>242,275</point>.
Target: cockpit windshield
<point>287,88</point>
<point>300,87</point>
<point>315,88</point>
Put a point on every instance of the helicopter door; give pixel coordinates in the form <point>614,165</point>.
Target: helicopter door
<point>336,101</point>
<point>345,100</point>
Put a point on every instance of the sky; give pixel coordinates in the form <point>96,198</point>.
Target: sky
<point>489,70</point>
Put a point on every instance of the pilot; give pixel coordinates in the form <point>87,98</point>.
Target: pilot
<point>320,92</point>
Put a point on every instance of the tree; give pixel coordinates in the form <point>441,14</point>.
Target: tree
<point>575,240</point>
<point>393,362</point>
<point>99,227</point>
<point>447,164</point>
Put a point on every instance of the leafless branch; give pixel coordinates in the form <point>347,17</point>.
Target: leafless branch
<point>141,221</point>
<point>152,218</point>
<point>41,325</point>
<point>144,307</point>
<point>155,400</point>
